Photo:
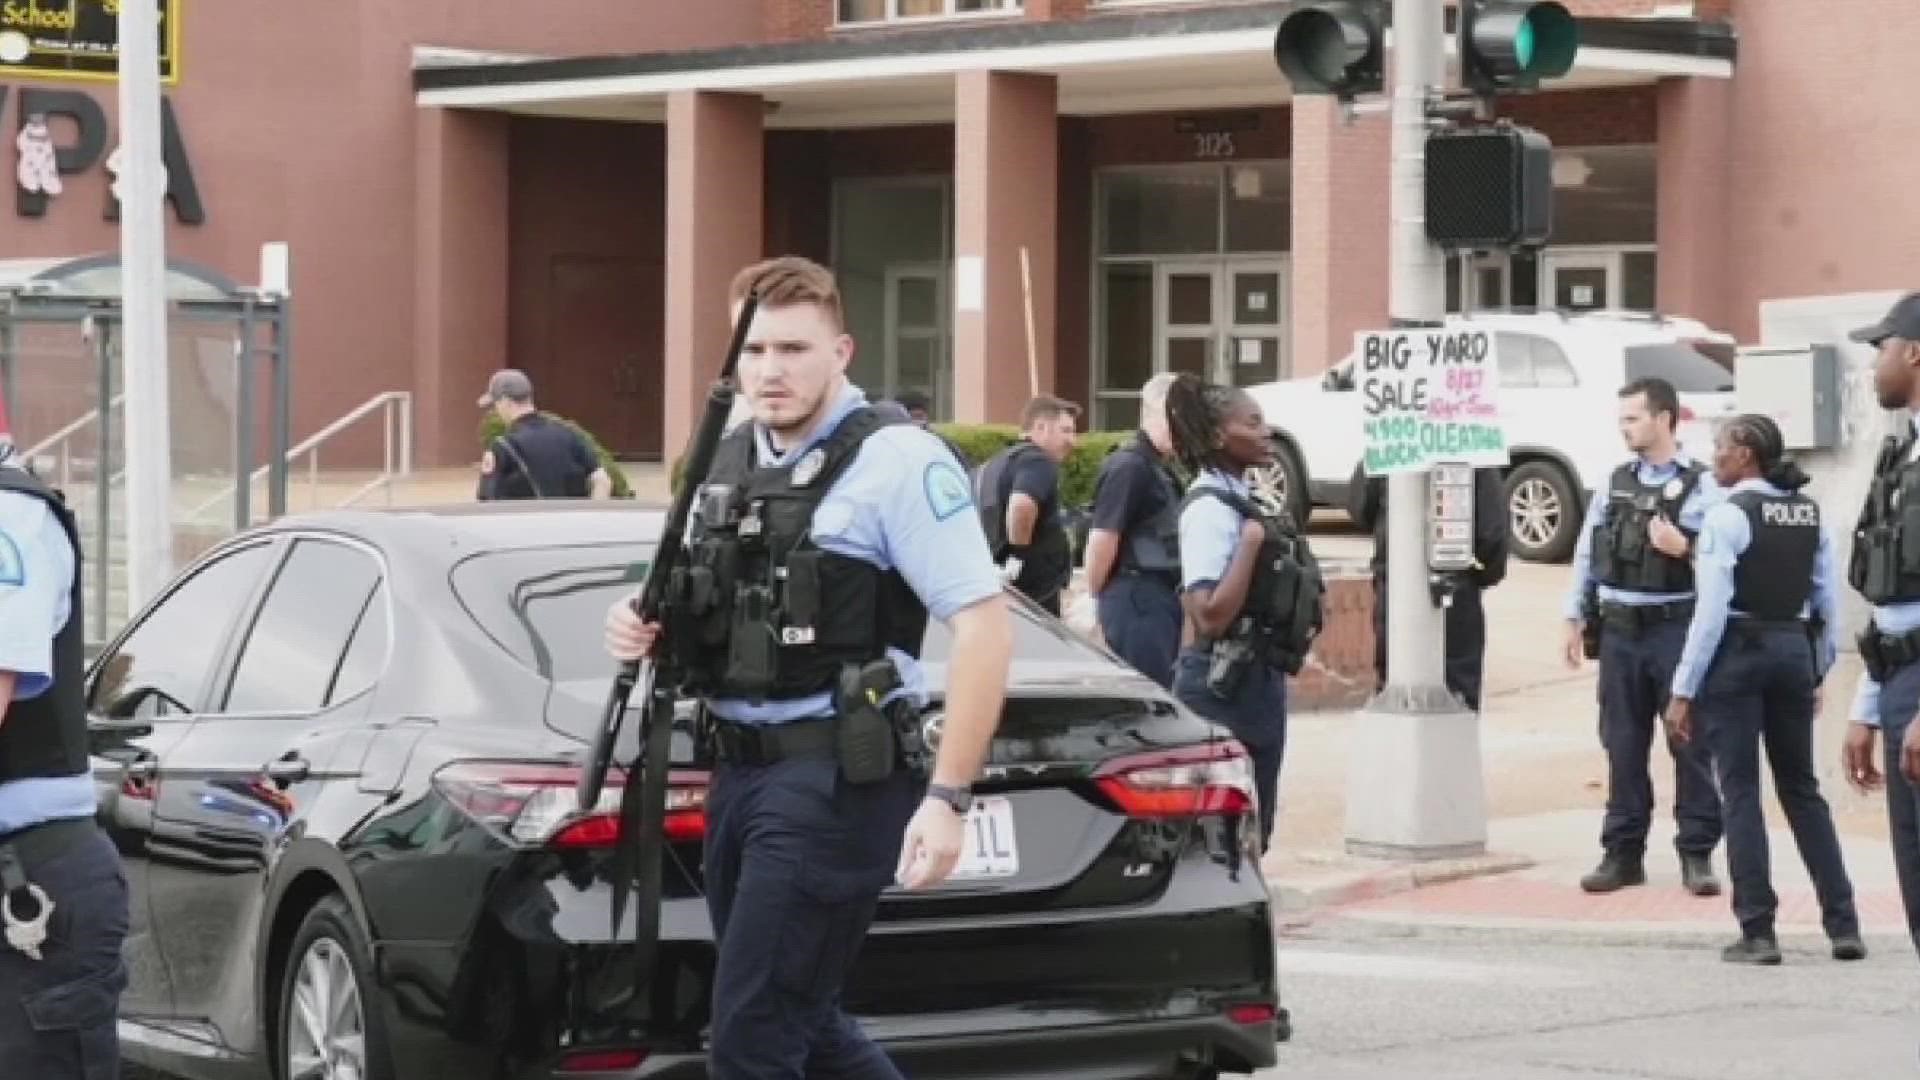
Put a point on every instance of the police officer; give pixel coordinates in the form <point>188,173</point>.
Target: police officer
<point>1133,548</point>
<point>1633,585</point>
<point>1762,638</point>
<point>1019,490</point>
<point>1466,615</point>
<point>63,893</point>
<point>832,535</point>
<point>538,457</point>
<point>1886,549</point>
<point>1250,587</point>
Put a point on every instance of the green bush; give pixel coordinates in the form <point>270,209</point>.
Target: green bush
<point>492,427</point>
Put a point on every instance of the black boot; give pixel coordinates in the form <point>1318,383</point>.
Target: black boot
<point>1616,870</point>
<point>1696,873</point>
<point>1849,947</point>
<point>1756,949</point>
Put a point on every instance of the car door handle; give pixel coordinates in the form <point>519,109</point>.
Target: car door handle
<point>288,770</point>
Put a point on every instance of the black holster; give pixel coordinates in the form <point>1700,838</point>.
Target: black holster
<point>1884,654</point>
<point>868,744</point>
<point>1229,661</point>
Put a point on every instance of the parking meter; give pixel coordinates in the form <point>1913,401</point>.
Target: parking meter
<point>1449,528</point>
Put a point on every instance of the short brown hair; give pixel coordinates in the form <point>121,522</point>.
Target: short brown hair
<point>787,280</point>
<point>1047,408</point>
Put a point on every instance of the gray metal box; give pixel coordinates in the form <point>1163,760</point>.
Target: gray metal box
<point>1798,386</point>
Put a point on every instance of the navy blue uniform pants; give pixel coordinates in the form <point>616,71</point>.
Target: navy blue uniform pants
<point>1759,689</point>
<point>1140,618</point>
<point>1899,700</point>
<point>1256,715</point>
<point>1636,677</point>
<point>1465,640</point>
<point>58,1013</point>
<point>796,859</point>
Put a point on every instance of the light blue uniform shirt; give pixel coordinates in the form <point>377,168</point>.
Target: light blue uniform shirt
<point>1209,531</point>
<point>1705,494</point>
<point>1724,537</point>
<point>36,572</point>
<point>1892,620</point>
<point>901,504</point>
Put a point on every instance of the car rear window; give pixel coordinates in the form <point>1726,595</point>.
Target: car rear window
<point>1700,367</point>
<point>547,607</point>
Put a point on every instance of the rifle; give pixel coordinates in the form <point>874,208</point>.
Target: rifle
<point>640,845</point>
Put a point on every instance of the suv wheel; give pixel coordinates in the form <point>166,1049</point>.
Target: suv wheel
<point>1543,512</point>
<point>1283,483</point>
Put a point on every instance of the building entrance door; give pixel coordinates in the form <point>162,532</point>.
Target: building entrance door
<point>1581,280</point>
<point>1221,319</point>
<point>916,333</point>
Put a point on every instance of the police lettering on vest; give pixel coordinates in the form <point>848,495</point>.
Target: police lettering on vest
<point>1774,577</point>
<point>1623,557</point>
<point>1283,613</point>
<point>46,735</point>
<point>1885,564</point>
<point>761,611</point>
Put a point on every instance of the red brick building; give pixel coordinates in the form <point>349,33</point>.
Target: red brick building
<point>566,187</point>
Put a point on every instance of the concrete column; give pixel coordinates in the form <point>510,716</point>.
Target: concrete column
<point>1692,195</point>
<point>460,293</point>
<point>1006,185</point>
<point>1339,208</point>
<point>715,211</point>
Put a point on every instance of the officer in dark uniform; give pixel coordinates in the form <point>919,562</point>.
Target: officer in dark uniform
<point>1250,586</point>
<point>830,535</point>
<point>1763,636</point>
<point>538,457</point>
<point>1886,553</point>
<point>1019,495</point>
<point>1633,588</point>
<point>1466,615</point>
<point>63,897</point>
<point>1133,548</point>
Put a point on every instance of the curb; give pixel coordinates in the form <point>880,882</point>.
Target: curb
<point>1348,879</point>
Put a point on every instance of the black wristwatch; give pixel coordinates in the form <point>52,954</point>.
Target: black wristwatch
<point>960,798</point>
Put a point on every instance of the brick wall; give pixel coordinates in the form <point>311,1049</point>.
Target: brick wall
<point>797,20</point>
<point>1339,674</point>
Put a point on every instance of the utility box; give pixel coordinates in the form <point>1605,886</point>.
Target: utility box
<point>1797,386</point>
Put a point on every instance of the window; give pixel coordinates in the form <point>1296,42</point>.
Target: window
<point>293,648</point>
<point>1691,368</point>
<point>1551,369</point>
<point>366,655</point>
<point>869,11</point>
<point>1533,363</point>
<point>170,654</point>
<point>1514,353</point>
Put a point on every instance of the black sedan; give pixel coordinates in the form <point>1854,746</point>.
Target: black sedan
<point>338,755</point>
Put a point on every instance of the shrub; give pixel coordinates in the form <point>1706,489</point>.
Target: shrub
<point>492,427</point>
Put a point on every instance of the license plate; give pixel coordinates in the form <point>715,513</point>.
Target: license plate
<point>987,846</point>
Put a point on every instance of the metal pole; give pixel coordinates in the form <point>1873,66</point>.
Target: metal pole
<point>143,270</point>
<point>103,482</point>
<point>9,378</point>
<point>282,405</point>
<point>243,424</point>
<point>1414,786</point>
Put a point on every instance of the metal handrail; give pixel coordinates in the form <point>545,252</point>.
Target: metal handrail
<point>396,463</point>
<point>64,436</point>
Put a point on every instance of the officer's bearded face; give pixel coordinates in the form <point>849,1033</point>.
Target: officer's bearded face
<point>790,365</point>
<point>1894,370</point>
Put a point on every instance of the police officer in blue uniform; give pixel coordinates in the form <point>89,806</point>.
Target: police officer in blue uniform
<point>1020,503</point>
<point>1885,569</point>
<point>1633,589</point>
<point>1251,588</point>
<point>831,534</point>
<point>63,897</point>
<point>538,457</point>
<point>1133,548</point>
<point>1763,636</point>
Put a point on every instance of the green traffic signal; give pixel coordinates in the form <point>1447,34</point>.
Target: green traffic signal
<point>1513,44</point>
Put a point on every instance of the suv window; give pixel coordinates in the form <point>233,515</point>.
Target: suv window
<point>295,645</point>
<point>1514,354</point>
<point>1692,367</point>
<point>172,651</point>
<point>1551,368</point>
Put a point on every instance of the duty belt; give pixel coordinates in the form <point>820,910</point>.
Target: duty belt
<point>1885,654</point>
<point>38,844</point>
<point>764,744</point>
<point>1638,617</point>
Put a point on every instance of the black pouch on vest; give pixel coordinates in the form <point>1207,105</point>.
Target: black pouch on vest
<point>800,599</point>
<point>751,649</point>
<point>867,749</point>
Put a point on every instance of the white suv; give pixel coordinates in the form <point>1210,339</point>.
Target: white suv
<point>1560,376</point>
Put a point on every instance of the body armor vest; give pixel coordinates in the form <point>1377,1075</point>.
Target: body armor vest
<point>1152,544</point>
<point>1048,564</point>
<point>544,466</point>
<point>1283,612</point>
<point>47,735</point>
<point>1774,577</point>
<point>759,611</point>
<point>1885,564</point>
<point>1623,557</point>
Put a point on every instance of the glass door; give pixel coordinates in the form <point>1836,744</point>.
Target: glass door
<point>916,340</point>
<point>1186,315</point>
<point>1256,342</point>
<point>1579,280</point>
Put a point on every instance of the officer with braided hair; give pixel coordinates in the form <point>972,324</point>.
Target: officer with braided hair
<point>1762,638</point>
<point>1250,586</point>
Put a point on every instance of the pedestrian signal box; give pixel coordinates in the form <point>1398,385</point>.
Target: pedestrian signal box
<point>1489,188</point>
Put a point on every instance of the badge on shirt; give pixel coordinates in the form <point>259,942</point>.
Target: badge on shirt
<point>1672,490</point>
<point>808,466</point>
<point>13,568</point>
<point>947,492</point>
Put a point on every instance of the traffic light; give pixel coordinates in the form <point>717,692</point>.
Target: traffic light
<point>1332,47</point>
<point>1489,187</point>
<point>1513,44</point>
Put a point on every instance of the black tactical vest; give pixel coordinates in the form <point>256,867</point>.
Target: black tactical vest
<point>1048,564</point>
<point>1623,557</point>
<point>536,459</point>
<point>758,610</point>
<point>1151,545</point>
<point>47,735</point>
<point>1283,612</point>
<point>1885,565</point>
<point>1774,577</point>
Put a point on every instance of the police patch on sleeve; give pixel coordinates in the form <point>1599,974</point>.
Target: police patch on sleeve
<point>947,492</point>
<point>13,568</point>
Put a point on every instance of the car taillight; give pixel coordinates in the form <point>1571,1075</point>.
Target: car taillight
<point>533,803</point>
<point>593,1061</point>
<point>1214,778</point>
<point>1687,415</point>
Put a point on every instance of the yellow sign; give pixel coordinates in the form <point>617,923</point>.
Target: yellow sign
<point>77,39</point>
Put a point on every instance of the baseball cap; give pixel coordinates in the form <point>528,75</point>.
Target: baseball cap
<point>508,383</point>
<point>1902,321</point>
